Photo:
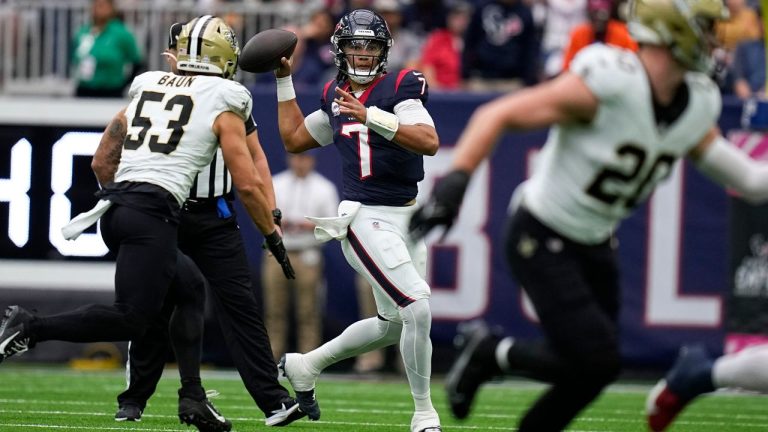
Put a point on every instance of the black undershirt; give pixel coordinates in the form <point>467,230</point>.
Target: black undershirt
<point>666,115</point>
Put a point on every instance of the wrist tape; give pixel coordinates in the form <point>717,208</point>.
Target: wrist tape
<point>382,122</point>
<point>285,91</point>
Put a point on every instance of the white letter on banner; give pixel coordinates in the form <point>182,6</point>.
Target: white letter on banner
<point>470,297</point>
<point>666,306</point>
<point>14,190</point>
<point>64,150</point>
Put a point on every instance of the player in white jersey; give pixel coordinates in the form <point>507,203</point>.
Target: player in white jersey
<point>209,234</point>
<point>174,124</point>
<point>619,122</point>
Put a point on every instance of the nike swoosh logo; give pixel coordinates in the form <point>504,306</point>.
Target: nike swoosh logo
<point>218,416</point>
<point>279,410</point>
<point>7,341</point>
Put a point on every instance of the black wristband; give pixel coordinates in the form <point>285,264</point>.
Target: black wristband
<point>273,238</point>
<point>277,216</point>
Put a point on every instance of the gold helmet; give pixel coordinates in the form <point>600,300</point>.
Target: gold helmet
<point>207,45</point>
<point>686,27</point>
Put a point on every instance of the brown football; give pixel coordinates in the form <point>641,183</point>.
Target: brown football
<point>262,53</point>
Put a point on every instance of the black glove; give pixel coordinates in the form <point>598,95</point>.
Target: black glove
<point>274,243</point>
<point>442,207</point>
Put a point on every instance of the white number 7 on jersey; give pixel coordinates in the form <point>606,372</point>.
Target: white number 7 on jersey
<point>419,76</point>
<point>363,148</point>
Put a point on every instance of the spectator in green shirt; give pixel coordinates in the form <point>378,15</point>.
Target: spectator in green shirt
<point>105,56</point>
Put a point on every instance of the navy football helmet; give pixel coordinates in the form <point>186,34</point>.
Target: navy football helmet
<point>366,36</point>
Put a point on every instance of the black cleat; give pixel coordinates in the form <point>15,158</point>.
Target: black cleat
<point>14,335</point>
<point>128,412</point>
<point>470,369</point>
<point>202,415</point>
<point>288,413</point>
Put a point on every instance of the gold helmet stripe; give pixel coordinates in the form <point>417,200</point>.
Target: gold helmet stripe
<point>196,36</point>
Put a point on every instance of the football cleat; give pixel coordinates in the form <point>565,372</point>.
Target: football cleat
<point>688,378</point>
<point>288,412</point>
<point>202,415</point>
<point>303,382</point>
<point>128,412</point>
<point>469,370</point>
<point>14,336</point>
<point>425,421</point>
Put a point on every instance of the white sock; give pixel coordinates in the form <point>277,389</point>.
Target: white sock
<point>747,369</point>
<point>416,350</point>
<point>360,337</point>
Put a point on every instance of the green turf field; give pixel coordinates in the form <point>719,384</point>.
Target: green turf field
<point>50,399</point>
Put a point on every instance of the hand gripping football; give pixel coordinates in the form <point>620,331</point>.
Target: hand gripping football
<point>262,53</point>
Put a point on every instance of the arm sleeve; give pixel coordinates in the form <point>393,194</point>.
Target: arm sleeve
<point>319,126</point>
<point>411,112</point>
<point>731,167</point>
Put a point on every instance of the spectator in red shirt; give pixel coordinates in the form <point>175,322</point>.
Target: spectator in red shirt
<point>603,26</point>
<point>441,57</point>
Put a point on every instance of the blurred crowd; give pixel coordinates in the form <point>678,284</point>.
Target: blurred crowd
<point>475,45</point>
<point>500,45</point>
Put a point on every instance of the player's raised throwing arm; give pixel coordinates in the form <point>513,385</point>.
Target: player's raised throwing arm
<point>290,119</point>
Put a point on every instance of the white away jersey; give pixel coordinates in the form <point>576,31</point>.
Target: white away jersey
<point>170,136</point>
<point>589,177</point>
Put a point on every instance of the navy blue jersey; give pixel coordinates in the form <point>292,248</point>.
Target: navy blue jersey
<point>377,171</point>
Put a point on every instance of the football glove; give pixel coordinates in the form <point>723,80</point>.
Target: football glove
<point>274,243</point>
<point>442,207</point>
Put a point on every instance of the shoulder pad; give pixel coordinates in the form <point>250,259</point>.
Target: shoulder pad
<point>701,84</point>
<point>141,80</point>
<point>607,71</point>
<point>237,98</point>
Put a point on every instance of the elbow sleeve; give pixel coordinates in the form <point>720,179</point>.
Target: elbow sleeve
<point>731,167</point>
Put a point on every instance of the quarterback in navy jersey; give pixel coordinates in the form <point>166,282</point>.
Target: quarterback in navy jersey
<point>392,172</point>
<point>378,122</point>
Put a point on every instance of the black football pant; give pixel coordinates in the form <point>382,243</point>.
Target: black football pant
<point>574,289</point>
<point>215,244</point>
<point>145,266</point>
<point>148,264</point>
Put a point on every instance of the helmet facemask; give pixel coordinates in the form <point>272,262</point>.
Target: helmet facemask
<point>363,59</point>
